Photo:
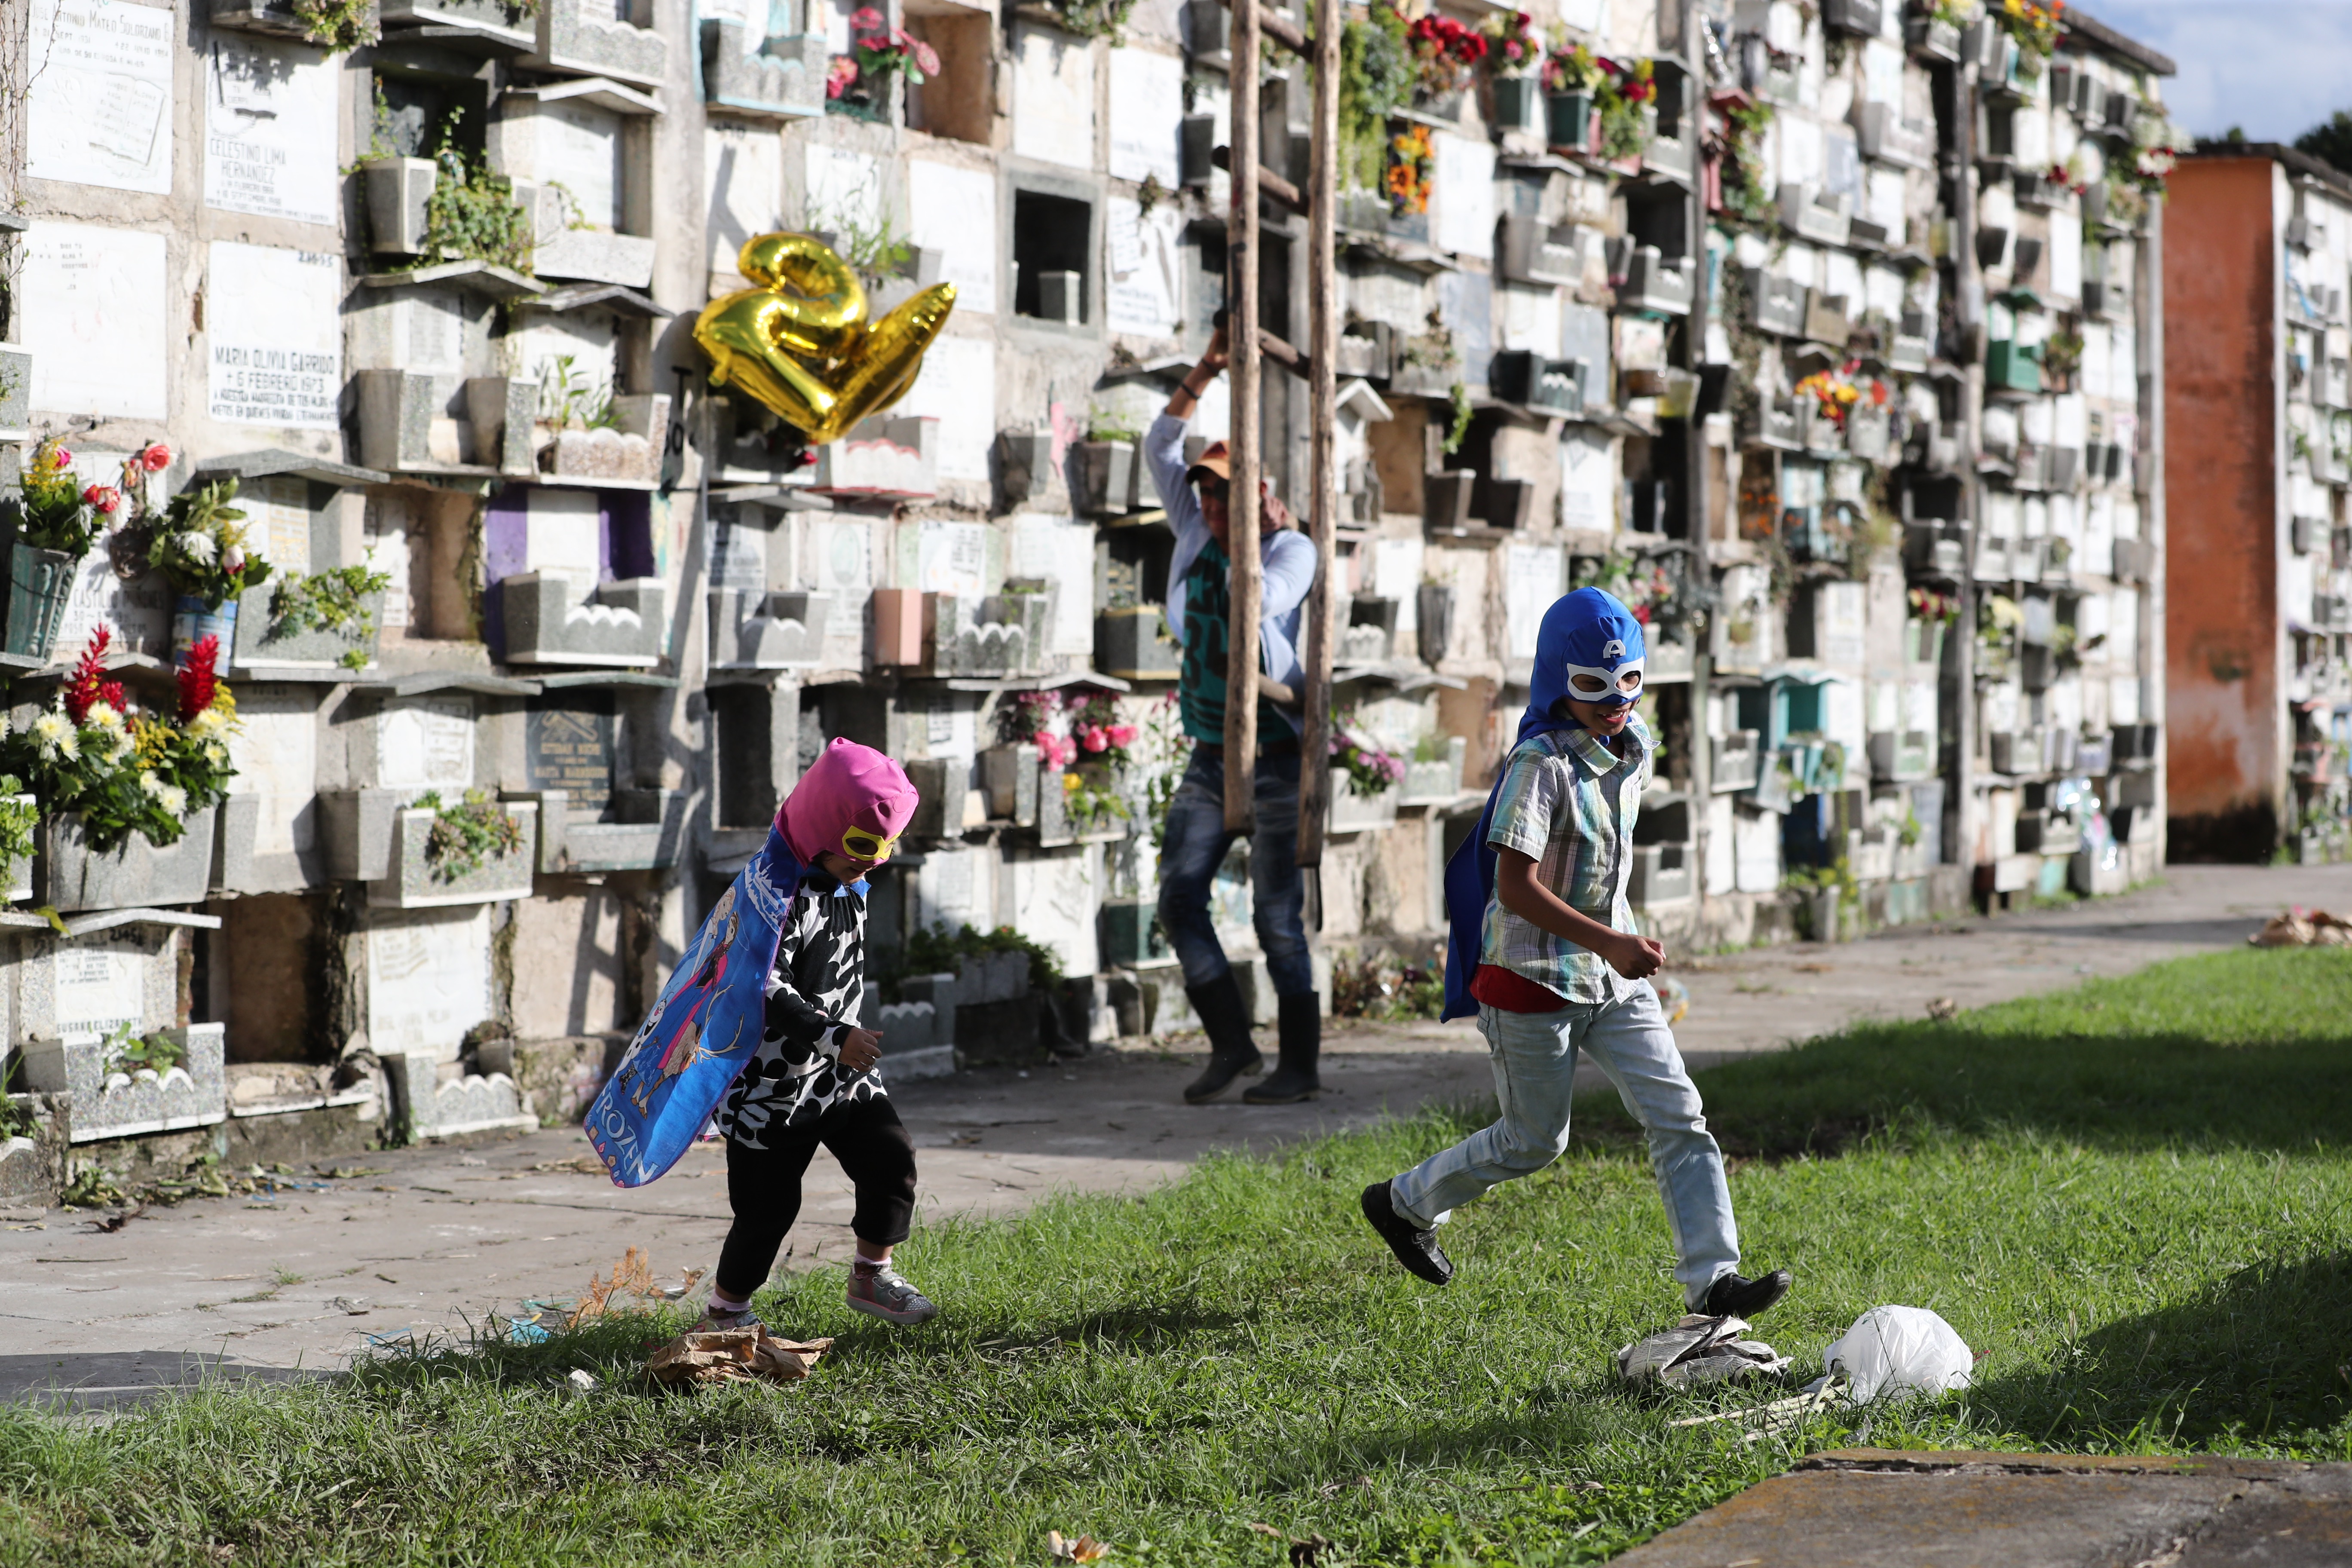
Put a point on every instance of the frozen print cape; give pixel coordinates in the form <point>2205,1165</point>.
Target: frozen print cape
<point>705,1028</point>
<point>698,1037</point>
<point>1587,630</point>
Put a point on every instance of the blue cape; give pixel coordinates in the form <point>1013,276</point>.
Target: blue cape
<point>1575,631</point>
<point>704,1028</point>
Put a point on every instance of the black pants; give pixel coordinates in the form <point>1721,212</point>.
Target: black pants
<point>763,1186</point>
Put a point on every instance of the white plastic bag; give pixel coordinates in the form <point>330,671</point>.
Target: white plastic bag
<point>1899,1349</point>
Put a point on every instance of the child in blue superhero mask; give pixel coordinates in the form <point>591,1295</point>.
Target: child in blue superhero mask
<point>1546,951</point>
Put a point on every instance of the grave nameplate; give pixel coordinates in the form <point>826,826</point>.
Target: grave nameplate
<point>957,386</point>
<point>269,129</point>
<point>98,340</point>
<point>275,750</point>
<point>100,109</point>
<point>428,979</point>
<point>98,988</point>
<point>425,745</point>
<point>1052,97</point>
<point>275,336</point>
<point>951,205</point>
<point>568,745</point>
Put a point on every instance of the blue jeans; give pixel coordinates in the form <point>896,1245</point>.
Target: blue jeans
<point>1194,846</point>
<point>1535,1075</point>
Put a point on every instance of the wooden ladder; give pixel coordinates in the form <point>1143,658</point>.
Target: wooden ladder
<point>1319,204</point>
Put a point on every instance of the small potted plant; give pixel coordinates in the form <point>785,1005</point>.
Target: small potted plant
<point>1445,54</point>
<point>1512,52</point>
<point>55,525</point>
<point>859,83</point>
<point>1412,172</point>
<point>199,546</point>
<point>1629,111</point>
<point>103,769</point>
<point>1364,781</point>
<point>1572,75</point>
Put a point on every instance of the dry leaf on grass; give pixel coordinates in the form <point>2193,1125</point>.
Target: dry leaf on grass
<point>735,1355</point>
<point>1081,1548</point>
<point>633,1276</point>
<point>1307,1552</point>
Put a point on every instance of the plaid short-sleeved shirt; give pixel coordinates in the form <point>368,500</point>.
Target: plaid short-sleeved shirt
<point>1568,801</point>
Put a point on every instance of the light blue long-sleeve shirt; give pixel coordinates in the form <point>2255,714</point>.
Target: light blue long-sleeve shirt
<point>1286,561</point>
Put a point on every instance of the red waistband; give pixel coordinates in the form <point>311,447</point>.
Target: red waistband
<point>1508,991</point>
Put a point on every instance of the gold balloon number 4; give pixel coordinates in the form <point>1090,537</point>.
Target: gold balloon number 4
<point>801,343</point>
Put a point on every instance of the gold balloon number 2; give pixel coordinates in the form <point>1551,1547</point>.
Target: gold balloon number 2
<point>801,343</point>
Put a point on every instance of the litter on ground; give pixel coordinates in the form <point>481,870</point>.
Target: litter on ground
<point>1696,1351</point>
<point>2299,927</point>
<point>1899,1349</point>
<point>735,1355</point>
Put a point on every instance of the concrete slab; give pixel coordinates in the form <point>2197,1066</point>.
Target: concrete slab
<point>1873,1507</point>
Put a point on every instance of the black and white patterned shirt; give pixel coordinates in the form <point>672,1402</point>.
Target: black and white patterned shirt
<point>796,1075</point>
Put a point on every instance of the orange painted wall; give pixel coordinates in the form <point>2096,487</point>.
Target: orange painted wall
<point>2223,711</point>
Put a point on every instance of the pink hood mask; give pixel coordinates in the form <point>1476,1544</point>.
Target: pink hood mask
<point>848,787</point>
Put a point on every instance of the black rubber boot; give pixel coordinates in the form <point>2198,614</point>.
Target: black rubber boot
<point>1225,1018</point>
<point>1302,1044</point>
<point>1734,1296</point>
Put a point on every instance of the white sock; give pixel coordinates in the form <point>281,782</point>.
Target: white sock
<point>719,1303</point>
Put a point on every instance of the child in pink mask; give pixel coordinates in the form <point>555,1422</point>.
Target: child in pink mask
<point>813,1079</point>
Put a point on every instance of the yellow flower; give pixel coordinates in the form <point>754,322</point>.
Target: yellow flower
<point>1072,783</point>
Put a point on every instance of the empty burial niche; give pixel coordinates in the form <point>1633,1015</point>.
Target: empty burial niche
<point>1051,238</point>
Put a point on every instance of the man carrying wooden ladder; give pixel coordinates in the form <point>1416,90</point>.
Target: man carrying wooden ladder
<point>1198,501</point>
<point>1276,625</point>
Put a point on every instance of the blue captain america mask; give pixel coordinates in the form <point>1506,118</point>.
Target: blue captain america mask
<point>1589,647</point>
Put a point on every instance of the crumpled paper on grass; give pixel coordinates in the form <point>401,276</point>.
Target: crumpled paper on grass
<point>735,1355</point>
<point>2302,928</point>
<point>1697,1351</point>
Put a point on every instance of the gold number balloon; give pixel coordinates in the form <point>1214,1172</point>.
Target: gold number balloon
<point>801,343</point>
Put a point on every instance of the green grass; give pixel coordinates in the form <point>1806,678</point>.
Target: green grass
<point>2132,1197</point>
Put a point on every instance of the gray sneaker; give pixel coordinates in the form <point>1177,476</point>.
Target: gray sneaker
<point>714,1321</point>
<point>884,1294</point>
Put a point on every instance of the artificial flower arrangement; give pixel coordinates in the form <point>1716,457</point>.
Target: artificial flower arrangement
<point>1412,172</point>
<point>1369,768</point>
<point>121,768</point>
<point>1642,586</point>
<point>878,51</point>
<point>1571,68</point>
<point>1932,605</point>
<point>199,546</point>
<point>2155,149</point>
<point>1446,51</point>
<point>1084,738</point>
<point>2035,25</point>
<point>1625,90</point>
<point>1838,392</point>
<point>60,513</point>
<point>1512,47</point>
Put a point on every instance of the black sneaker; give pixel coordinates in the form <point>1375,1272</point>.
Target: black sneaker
<point>1731,1296</point>
<point>1416,1249</point>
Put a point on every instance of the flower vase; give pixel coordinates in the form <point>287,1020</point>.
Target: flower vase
<point>1515,103</point>
<point>1568,120</point>
<point>192,621</point>
<point>38,583</point>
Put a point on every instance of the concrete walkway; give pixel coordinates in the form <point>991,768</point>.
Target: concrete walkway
<point>417,1242</point>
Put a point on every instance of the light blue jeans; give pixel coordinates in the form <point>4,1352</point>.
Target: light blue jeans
<point>1534,1076</point>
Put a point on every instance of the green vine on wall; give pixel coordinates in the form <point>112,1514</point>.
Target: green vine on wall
<point>472,214</point>
<point>328,601</point>
<point>17,820</point>
<point>338,26</point>
<point>1094,19</point>
<point>1376,78</point>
